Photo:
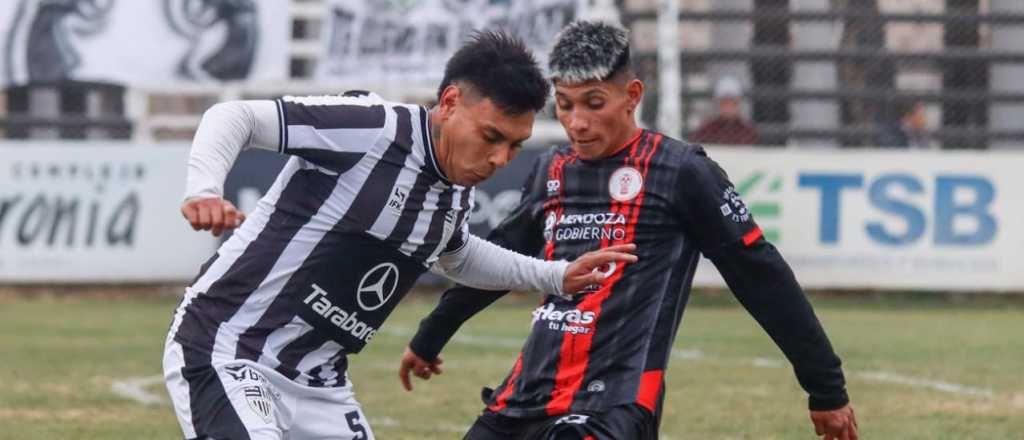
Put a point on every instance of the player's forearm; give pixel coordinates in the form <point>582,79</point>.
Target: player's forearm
<point>223,132</point>
<point>765,285</point>
<point>485,265</point>
<point>457,305</point>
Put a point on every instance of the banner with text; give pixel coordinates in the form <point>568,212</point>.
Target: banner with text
<point>84,213</point>
<point>886,219</point>
<point>143,42</point>
<point>411,40</point>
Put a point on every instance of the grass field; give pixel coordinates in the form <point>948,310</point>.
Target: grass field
<point>918,368</point>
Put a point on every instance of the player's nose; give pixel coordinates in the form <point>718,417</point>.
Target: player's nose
<point>500,159</point>
<point>578,124</point>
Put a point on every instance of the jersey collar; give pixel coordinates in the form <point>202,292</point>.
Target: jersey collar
<point>428,145</point>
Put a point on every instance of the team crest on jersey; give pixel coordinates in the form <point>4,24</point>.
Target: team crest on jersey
<point>734,208</point>
<point>596,386</point>
<point>625,184</point>
<point>259,401</point>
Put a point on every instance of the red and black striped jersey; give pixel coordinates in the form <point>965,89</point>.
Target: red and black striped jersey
<point>610,345</point>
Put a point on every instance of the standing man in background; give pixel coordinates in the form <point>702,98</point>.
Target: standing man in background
<point>727,127</point>
<point>907,128</point>
<point>593,365</point>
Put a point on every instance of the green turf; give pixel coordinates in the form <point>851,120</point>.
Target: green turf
<point>58,358</point>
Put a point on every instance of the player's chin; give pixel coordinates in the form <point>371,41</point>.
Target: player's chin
<point>588,150</point>
<point>473,179</point>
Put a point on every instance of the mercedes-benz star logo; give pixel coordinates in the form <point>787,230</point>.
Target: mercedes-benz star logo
<point>377,286</point>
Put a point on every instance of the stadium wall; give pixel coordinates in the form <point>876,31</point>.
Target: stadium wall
<point>86,212</point>
<point>885,219</point>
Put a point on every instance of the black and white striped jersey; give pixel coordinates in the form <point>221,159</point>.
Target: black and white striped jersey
<point>360,210</point>
<point>381,157</point>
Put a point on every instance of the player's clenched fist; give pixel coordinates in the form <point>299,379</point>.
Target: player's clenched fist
<point>212,214</point>
<point>589,268</point>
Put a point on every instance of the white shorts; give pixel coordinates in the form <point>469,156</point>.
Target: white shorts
<point>241,400</point>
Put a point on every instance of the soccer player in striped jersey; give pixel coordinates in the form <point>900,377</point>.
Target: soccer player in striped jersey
<point>374,194</point>
<point>593,365</point>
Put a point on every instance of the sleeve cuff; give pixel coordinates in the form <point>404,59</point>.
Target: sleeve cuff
<point>828,402</point>
<point>421,346</point>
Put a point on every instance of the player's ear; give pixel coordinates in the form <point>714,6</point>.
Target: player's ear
<point>450,98</point>
<point>635,91</point>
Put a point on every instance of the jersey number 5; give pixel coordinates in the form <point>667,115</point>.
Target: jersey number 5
<point>356,426</point>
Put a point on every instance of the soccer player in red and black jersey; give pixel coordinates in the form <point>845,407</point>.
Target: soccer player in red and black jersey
<point>593,365</point>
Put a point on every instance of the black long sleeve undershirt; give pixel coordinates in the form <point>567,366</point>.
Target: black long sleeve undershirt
<point>764,284</point>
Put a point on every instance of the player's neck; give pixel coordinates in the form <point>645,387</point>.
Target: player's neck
<point>442,151</point>
<point>630,135</point>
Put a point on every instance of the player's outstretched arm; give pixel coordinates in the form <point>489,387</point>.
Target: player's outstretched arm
<point>759,277</point>
<point>224,130</point>
<point>485,265</point>
<point>764,284</point>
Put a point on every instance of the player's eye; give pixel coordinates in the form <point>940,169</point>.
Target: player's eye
<point>595,104</point>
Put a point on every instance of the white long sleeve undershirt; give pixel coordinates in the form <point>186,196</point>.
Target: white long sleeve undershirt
<point>485,265</point>
<point>224,131</point>
<point>228,128</point>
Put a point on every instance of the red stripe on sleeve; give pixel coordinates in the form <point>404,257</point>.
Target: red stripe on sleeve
<point>650,389</point>
<point>750,237</point>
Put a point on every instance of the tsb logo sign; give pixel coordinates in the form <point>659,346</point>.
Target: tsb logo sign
<point>958,208</point>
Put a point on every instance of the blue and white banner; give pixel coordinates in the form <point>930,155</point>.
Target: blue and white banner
<point>887,219</point>
<point>411,40</point>
<point>143,42</point>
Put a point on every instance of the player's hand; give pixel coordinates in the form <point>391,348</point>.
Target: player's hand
<point>839,424</point>
<point>587,269</point>
<point>419,367</point>
<point>212,214</point>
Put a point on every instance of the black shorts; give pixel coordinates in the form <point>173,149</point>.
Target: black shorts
<point>627,422</point>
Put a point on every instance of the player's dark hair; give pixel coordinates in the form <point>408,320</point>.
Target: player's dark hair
<point>499,67</point>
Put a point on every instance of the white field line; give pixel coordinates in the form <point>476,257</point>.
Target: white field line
<point>761,362</point>
<point>135,388</point>
<point>953,388</point>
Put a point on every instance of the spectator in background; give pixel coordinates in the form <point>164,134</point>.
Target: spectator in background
<point>906,129</point>
<point>728,127</point>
